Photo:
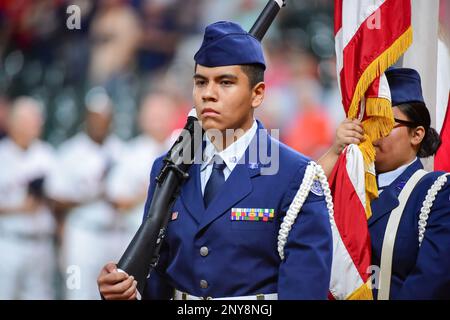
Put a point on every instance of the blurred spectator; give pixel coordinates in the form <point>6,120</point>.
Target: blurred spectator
<point>27,261</point>
<point>115,35</point>
<point>77,184</point>
<point>161,34</point>
<point>158,118</point>
<point>31,26</point>
<point>280,104</point>
<point>311,131</point>
<point>129,179</point>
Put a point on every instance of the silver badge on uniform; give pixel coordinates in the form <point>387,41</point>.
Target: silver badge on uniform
<point>316,188</point>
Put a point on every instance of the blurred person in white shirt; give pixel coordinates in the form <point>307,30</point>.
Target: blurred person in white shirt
<point>77,186</point>
<point>129,179</point>
<point>27,255</point>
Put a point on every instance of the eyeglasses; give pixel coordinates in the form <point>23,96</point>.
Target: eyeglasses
<point>404,123</point>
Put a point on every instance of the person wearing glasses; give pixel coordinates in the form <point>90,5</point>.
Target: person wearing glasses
<point>417,245</point>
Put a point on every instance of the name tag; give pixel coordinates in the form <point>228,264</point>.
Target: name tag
<point>252,214</point>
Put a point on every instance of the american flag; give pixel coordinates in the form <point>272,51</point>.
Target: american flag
<point>370,36</point>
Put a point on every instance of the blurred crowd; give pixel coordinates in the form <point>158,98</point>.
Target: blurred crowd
<point>84,112</point>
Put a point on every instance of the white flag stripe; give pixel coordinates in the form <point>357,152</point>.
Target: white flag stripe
<point>339,55</point>
<point>355,169</point>
<point>353,16</point>
<point>345,277</point>
<point>383,90</point>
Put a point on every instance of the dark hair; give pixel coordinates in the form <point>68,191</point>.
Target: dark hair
<point>417,113</point>
<point>254,72</point>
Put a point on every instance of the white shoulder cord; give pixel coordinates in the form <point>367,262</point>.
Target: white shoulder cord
<point>428,203</point>
<point>312,170</point>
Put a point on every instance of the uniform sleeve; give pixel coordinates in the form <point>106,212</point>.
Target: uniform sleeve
<point>430,278</point>
<point>157,287</point>
<point>305,271</point>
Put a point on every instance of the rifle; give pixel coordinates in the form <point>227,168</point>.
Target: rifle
<point>142,254</point>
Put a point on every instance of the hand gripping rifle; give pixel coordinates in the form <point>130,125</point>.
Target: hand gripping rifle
<point>142,254</point>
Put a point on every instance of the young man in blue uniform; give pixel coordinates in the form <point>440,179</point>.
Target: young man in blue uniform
<point>221,241</point>
<point>420,266</point>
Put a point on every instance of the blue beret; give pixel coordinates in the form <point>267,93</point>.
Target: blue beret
<point>405,86</point>
<point>226,43</point>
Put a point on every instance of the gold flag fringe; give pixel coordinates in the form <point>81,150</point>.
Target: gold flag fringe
<point>362,293</point>
<point>380,117</point>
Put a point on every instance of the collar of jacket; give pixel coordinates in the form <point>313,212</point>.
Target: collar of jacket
<point>388,199</point>
<point>238,184</point>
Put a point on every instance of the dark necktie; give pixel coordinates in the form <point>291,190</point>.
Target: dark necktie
<point>215,181</point>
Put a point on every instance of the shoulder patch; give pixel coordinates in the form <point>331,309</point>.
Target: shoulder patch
<point>316,188</point>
